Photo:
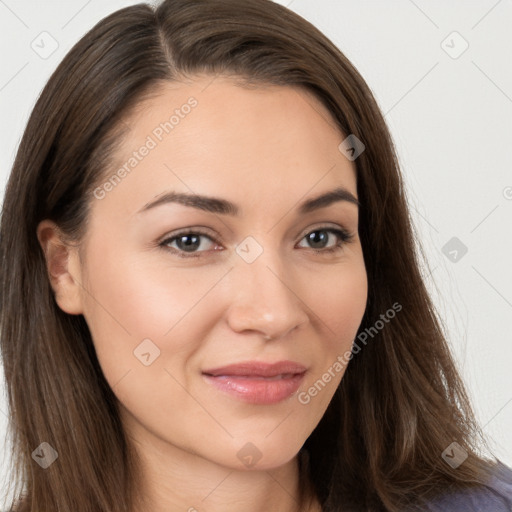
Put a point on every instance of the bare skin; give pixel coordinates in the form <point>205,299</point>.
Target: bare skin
<point>267,150</point>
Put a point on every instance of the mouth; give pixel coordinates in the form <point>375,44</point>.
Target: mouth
<point>256,382</point>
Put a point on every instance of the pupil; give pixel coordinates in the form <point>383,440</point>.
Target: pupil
<point>314,238</point>
<point>191,243</point>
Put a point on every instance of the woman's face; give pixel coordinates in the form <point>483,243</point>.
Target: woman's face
<point>171,292</point>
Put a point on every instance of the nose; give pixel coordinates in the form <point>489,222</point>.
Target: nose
<point>264,299</point>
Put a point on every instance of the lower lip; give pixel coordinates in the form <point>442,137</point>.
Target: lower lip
<point>257,390</point>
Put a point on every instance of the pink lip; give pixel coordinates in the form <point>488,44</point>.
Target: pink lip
<point>256,382</point>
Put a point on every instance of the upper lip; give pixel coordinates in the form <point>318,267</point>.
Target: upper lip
<point>258,369</point>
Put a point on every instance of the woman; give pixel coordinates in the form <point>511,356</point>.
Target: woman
<point>210,293</point>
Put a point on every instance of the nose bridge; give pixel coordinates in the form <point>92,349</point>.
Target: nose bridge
<point>264,298</point>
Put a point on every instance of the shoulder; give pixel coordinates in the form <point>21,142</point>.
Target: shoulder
<point>495,496</point>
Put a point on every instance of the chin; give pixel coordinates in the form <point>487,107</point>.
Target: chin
<point>259,456</point>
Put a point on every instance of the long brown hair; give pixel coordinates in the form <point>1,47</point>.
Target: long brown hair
<point>401,402</point>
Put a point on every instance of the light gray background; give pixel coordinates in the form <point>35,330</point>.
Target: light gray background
<point>450,114</point>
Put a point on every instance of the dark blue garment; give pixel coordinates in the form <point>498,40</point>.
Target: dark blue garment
<point>495,497</point>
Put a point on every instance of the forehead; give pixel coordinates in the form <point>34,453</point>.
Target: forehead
<point>215,135</point>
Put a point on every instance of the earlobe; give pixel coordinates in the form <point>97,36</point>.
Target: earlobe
<point>62,265</point>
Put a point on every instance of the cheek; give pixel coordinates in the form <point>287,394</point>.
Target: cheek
<point>129,302</point>
<point>339,302</point>
<point>339,305</point>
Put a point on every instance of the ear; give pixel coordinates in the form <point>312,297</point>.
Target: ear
<point>63,267</point>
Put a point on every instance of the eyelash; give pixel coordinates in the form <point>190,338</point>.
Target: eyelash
<point>343,238</point>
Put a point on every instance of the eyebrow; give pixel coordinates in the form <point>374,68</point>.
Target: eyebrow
<point>225,207</point>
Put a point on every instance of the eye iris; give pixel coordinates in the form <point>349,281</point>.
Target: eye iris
<point>314,238</point>
<point>192,242</point>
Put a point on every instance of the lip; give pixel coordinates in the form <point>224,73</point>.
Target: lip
<point>257,382</point>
